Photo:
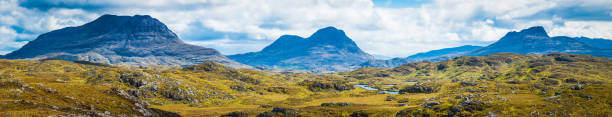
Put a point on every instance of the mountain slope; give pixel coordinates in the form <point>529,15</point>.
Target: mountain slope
<point>134,40</point>
<point>596,42</point>
<point>434,55</point>
<point>327,50</point>
<point>444,53</point>
<point>536,40</point>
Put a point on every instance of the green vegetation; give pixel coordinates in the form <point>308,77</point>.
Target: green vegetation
<point>502,84</point>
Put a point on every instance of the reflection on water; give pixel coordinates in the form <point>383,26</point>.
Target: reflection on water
<point>371,88</point>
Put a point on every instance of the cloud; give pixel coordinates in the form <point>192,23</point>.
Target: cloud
<point>403,28</point>
<point>8,40</point>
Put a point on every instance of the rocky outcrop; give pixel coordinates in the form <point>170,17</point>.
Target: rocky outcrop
<point>421,88</point>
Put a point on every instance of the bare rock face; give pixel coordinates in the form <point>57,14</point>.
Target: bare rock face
<point>134,40</point>
<point>327,50</point>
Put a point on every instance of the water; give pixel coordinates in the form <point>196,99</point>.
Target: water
<point>410,81</point>
<point>372,88</point>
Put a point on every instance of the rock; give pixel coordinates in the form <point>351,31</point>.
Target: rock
<point>265,106</point>
<point>552,98</point>
<point>535,113</point>
<point>431,104</point>
<point>266,114</point>
<point>577,87</point>
<point>337,104</point>
<point>585,96</point>
<point>50,90</point>
<point>564,58</point>
<point>360,114</point>
<point>469,83</point>
<point>54,107</point>
<point>285,111</point>
<point>236,114</point>
<point>550,82</point>
<point>59,80</point>
<point>570,80</point>
<point>513,82</point>
<point>404,113</point>
<point>421,88</point>
<point>491,114</point>
<point>154,88</point>
<point>239,88</point>
<point>454,110</point>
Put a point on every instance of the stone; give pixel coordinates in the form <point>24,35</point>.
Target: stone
<point>431,104</point>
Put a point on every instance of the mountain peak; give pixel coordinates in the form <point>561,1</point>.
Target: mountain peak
<point>329,29</point>
<point>329,33</point>
<point>109,17</point>
<point>138,22</point>
<point>535,31</point>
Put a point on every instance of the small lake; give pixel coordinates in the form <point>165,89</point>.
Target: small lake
<point>372,88</point>
<point>410,81</point>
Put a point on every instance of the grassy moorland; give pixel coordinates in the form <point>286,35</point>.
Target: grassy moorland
<point>502,84</point>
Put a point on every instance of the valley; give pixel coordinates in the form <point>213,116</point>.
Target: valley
<point>554,84</point>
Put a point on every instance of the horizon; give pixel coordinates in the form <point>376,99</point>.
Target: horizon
<point>380,27</point>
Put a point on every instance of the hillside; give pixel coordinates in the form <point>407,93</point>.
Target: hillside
<point>327,50</point>
<point>138,40</point>
<point>500,84</point>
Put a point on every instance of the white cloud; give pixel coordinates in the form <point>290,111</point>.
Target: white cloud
<point>396,32</point>
<point>593,29</point>
<point>7,40</point>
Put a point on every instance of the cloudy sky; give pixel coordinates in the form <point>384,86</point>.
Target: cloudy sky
<point>394,28</point>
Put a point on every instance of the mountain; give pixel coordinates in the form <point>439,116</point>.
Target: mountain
<point>434,55</point>
<point>596,42</point>
<point>532,40</point>
<point>536,40</point>
<point>389,63</point>
<point>134,40</point>
<point>378,56</point>
<point>445,53</point>
<point>327,50</point>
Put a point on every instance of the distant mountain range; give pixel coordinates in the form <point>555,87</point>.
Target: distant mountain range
<point>134,40</point>
<point>142,40</point>
<point>327,50</point>
<point>434,55</point>
<point>442,54</point>
<point>533,40</point>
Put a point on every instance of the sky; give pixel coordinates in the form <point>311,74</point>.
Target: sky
<point>393,28</point>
